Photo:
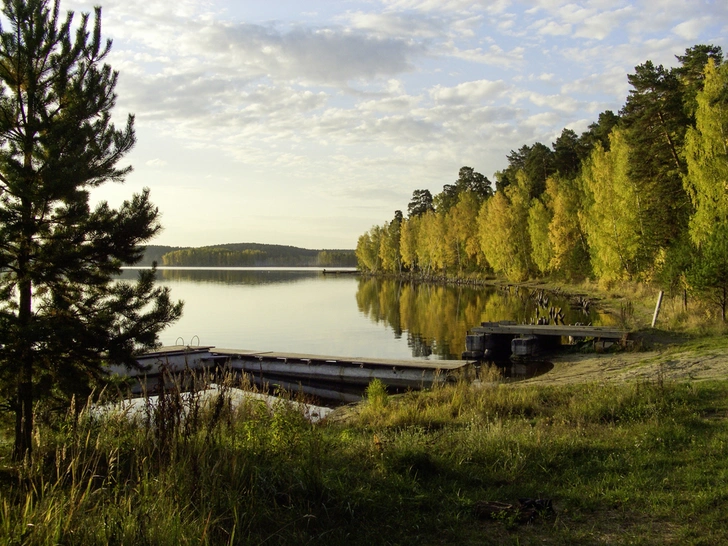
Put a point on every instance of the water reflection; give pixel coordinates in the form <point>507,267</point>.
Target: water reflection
<point>305,311</point>
<point>438,317</point>
<point>526,369</point>
<point>247,276</point>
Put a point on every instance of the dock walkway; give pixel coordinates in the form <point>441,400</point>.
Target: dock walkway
<point>326,376</point>
<point>498,339</point>
<point>576,331</point>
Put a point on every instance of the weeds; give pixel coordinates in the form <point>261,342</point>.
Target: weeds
<point>621,463</point>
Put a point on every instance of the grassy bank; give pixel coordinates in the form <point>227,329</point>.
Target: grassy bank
<point>621,463</point>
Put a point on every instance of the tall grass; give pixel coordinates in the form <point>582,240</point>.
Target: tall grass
<point>623,463</point>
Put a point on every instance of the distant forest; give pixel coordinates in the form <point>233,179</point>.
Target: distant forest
<point>247,255</point>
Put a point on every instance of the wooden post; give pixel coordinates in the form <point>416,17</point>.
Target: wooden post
<point>657,308</point>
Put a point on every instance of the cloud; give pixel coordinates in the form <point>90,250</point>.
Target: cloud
<point>330,56</point>
<point>473,91</point>
<point>375,101</point>
<point>692,28</point>
<point>156,162</point>
<point>401,103</point>
<point>493,55</point>
<point>397,23</point>
<point>552,28</point>
<point>602,24</point>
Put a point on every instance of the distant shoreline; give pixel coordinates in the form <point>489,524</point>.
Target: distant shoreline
<point>243,268</point>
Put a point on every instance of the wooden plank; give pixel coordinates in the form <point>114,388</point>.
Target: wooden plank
<point>550,330</point>
<point>446,365</point>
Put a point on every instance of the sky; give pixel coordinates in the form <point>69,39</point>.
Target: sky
<point>305,123</point>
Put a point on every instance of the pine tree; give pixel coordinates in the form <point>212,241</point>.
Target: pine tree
<point>62,316</point>
<point>655,122</point>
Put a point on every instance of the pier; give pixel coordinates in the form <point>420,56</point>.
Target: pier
<point>331,377</point>
<point>496,339</point>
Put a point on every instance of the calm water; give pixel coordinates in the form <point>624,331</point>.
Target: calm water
<point>304,311</point>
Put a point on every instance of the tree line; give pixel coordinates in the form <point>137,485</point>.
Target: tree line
<point>641,195</point>
<point>257,255</point>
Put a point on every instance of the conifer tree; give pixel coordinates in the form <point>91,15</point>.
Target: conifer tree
<point>655,122</point>
<point>62,316</point>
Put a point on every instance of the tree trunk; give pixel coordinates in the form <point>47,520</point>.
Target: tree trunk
<point>24,403</point>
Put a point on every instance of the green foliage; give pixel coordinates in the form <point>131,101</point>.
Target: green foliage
<point>567,236</point>
<point>462,232</point>
<point>213,257</point>
<point>389,246</point>
<point>469,181</point>
<point>497,237</point>
<point>707,155</point>
<point>615,459</point>
<point>539,219</point>
<point>420,204</point>
<point>599,131</point>
<point>625,200</point>
<point>708,274</point>
<point>409,233</point>
<point>367,250</point>
<point>433,253</point>
<point>654,124</point>
<point>62,317</point>
<point>613,212</point>
<point>504,236</point>
<point>691,72</point>
<point>256,255</point>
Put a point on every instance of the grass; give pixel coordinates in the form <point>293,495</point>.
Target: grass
<point>631,463</point>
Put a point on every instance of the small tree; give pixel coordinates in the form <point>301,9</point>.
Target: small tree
<point>62,316</point>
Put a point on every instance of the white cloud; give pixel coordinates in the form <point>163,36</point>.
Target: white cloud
<point>493,55</point>
<point>473,91</point>
<point>156,162</point>
<point>397,23</point>
<point>390,104</point>
<point>692,28</point>
<point>552,28</point>
<point>376,95</point>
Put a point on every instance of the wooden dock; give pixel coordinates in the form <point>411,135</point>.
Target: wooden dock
<point>341,378</point>
<point>498,339</point>
<point>574,331</point>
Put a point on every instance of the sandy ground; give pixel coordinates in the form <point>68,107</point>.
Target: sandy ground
<point>687,361</point>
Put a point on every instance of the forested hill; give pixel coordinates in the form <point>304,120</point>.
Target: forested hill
<point>247,255</point>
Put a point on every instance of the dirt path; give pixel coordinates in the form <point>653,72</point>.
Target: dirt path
<point>694,360</point>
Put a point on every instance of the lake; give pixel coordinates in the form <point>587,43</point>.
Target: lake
<point>305,311</point>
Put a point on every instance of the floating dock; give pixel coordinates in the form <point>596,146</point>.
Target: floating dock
<point>338,378</point>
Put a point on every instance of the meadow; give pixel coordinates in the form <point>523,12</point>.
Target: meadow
<point>641,462</point>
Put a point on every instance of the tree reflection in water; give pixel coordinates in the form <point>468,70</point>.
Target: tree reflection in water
<point>437,317</point>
